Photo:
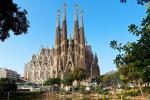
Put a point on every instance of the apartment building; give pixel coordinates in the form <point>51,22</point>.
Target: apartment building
<point>7,73</point>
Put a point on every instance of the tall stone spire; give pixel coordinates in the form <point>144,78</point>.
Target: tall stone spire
<point>76,26</point>
<point>76,37</point>
<point>96,66</point>
<point>64,44</point>
<point>82,42</point>
<point>76,12</point>
<point>58,36</point>
<point>96,58</point>
<point>58,46</point>
<point>82,38</point>
<point>64,25</point>
<point>58,19</point>
<point>81,18</point>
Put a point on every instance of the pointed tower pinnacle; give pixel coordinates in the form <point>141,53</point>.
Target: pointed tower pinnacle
<point>58,36</point>
<point>76,12</point>
<point>96,67</point>
<point>64,17</point>
<point>64,39</point>
<point>81,16</point>
<point>82,38</point>
<point>76,26</point>
<point>58,18</point>
<point>82,42</point>
<point>64,26</point>
<point>76,37</point>
<point>96,58</point>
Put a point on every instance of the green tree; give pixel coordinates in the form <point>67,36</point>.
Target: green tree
<point>134,57</point>
<point>111,79</point>
<point>67,80</point>
<point>99,89</point>
<point>98,79</point>
<point>7,85</point>
<point>146,76</point>
<point>52,81</point>
<point>79,74</point>
<point>12,19</point>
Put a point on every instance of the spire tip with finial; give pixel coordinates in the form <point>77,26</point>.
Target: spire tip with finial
<point>58,18</point>
<point>81,13</point>
<point>76,7</point>
<point>81,17</point>
<point>76,12</point>
<point>64,17</point>
<point>64,7</point>
<point>58,12</point>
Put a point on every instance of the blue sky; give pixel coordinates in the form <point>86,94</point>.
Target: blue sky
<point>103,21</point>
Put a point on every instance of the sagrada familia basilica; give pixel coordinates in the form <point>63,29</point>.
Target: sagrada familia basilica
<point>68,54</point>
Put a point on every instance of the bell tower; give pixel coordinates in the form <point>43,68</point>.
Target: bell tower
<point>58,36</point>
<point>82,42</point>
<point>76,37</point>
<point>64,39</point>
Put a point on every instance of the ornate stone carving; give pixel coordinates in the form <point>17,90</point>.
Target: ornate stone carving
<point>67,54</point>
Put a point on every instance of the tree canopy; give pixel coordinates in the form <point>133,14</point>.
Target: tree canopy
<point>133,60</point>
<point>79,74</point>
<point>111,79</point>
<point>52,81</point>
<point>67,80</point>
<point>7,85</point>
<point>12,19</point>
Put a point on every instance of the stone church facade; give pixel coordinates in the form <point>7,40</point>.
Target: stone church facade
<point>67,54</point>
